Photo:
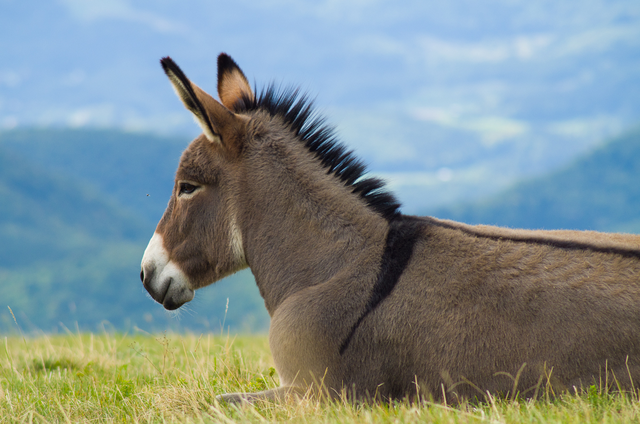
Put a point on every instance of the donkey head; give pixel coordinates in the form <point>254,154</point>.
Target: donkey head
<point>197,241</point>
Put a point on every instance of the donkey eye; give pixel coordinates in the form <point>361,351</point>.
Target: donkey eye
<point>186,188</point>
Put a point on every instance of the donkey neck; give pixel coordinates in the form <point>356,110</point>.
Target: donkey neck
<point>302,225</point>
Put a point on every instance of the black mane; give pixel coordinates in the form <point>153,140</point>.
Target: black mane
<point>297,111</point>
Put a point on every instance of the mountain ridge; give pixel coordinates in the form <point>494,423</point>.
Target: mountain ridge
<point>597,191</point>
<point>73,234</point>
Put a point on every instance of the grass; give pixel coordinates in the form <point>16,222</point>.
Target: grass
<point>175,378</point>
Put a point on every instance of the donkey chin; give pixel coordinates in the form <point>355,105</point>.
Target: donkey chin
<point>164,281</point>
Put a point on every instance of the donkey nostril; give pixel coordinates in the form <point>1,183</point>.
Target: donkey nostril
<point>146,275</point>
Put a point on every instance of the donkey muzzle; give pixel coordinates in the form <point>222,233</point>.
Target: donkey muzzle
<point>163,280</point>
<point>167,291</point>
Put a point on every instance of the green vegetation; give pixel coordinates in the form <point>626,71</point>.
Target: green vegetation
<point>79,206</point>
<point>174,378</point>
<point>78,209</point>
<point>599,191</point>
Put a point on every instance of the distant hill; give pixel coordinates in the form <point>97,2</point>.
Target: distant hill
<point>136,169</point>
<point>64,246</point>
<point>74,221</point>
<point>599,191</point>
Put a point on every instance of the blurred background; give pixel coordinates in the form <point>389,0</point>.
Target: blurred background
<point>505,112</point>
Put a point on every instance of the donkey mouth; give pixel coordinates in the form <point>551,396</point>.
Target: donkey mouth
<point>170,304</point>
<point>170,292</point>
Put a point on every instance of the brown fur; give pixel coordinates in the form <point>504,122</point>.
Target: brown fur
<point>474,307</point>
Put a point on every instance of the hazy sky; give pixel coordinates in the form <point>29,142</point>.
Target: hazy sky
<point>428,92</point>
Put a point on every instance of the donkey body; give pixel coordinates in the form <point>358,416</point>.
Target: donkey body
<point>365,300</point>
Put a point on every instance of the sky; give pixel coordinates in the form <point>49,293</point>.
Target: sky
<point>447,100</point>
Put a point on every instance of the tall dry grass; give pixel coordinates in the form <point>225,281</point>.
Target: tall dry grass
<point>175,378</point>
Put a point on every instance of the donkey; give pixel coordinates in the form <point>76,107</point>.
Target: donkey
<point>365,301</point>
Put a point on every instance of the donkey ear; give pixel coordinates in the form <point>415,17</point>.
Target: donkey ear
<point>233,87</point>
<point>209,114</point>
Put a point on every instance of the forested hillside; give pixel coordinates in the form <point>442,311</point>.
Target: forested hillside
<point>135,169</point>
<point>77,210</point>
<point>599,191</point>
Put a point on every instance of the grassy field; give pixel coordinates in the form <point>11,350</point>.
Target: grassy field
<point>175,378</point>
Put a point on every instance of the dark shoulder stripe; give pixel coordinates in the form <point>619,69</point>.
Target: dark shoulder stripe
<point>551,242</point>
<point>401,239</point>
